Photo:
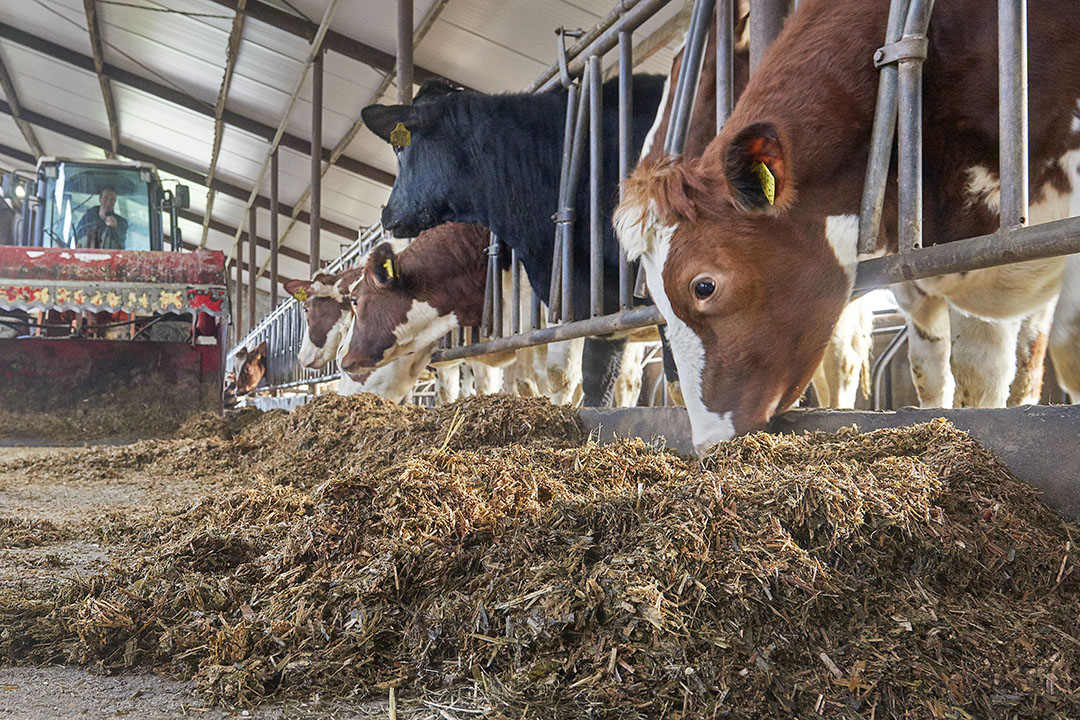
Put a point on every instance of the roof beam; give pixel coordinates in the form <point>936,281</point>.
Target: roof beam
<point>106,87</point>
<point>18,154</point>
<point>334,41</point>
<point>188,174</point>
<point>164,92</point>
<point>231,51</point>
<point>16,110</point>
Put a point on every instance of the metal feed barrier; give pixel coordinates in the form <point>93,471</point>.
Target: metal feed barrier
<point>898,110</point>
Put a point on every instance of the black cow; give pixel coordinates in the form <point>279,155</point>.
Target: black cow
<point>495,160</point>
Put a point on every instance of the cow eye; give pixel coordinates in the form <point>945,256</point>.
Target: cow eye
<point>703,287</point>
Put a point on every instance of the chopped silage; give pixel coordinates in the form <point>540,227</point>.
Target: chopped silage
<point>487,549</point>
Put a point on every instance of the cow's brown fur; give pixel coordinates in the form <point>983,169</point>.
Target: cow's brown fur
<point>782,287</point>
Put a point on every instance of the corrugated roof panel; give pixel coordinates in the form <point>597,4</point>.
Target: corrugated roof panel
<point>372,22</point>
<point>57,90</point>
<point>61,21</point>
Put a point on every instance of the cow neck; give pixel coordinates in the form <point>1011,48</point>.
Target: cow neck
<point>447,268</point>
<point>518,194</point>
<point>819,90</point>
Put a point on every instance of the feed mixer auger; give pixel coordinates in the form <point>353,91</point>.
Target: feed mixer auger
<point>106,333</point>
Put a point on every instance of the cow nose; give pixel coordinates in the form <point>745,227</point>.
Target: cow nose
<point>353,364</point>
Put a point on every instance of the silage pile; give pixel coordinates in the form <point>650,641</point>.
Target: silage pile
<point>486,550</point>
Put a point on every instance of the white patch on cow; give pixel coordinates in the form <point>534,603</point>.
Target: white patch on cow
<point>423,326</point>
<point>395,380</point>
<point>842,233</point>
<point>1076,119</point>
<point>636,229</point>
<point>313,356</point>
<point>1065,332</point>
<point>985,187</point>
<point>650,138</point>
<point>654,241</point>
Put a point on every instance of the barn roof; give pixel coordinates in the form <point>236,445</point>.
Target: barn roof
<point>163,64</point>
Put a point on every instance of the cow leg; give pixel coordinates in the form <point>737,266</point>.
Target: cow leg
<point>1031,344</point>
<point>846,364</point>
<point>820,381</point>
<point>526,381</point>
<point>562,368</point>
<point>448,383</point>
<point>628,383</point>
<point>599,369</point>
<point>487,379</point>
<point>928,344</point>
<point>1065,333</point>
<point>983,359</point>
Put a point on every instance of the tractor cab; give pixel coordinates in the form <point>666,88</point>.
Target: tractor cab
<point>98,204</point>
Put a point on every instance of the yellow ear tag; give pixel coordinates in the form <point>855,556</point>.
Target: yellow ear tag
<point>300,295</point>
<point>768,182</point>
<point>389,267</point>
<point>400,135</point>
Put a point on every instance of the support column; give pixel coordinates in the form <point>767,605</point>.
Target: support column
<point>405,52</point>
<point>766,19</point>
<point>252,269</point>
<point>316,160</point>
<point>274,229</point>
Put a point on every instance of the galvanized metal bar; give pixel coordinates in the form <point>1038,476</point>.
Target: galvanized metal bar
<point>535,310</point>
<point>495,250</point>
<point>239,287</point>
<point>1013,111</point>
<point>576,157</point>
<point>1036,242</point>
<point>628,320</point>
<point>633,14</point>
<point>596,179</point>
<point>725,61</point>
<point>555,291</point>
<point>909,131</point>
<point>252,268</point>
<point>405,51</point>
<point>882,137</point>
<point>274,230</point>
<point>316,161</point>
<point>515,297</point>
<point>881,363</point>
<point>766,19</point>
<point>682,107</point>
<point>626,149</point>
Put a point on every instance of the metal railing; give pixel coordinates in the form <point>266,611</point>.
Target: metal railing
<point>898,112</point>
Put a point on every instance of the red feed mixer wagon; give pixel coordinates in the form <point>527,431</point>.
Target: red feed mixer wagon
<point>108,330</point>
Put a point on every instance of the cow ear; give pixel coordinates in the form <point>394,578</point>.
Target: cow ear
<point>299,289</point>
<point>383,119</point>
<point>755,168</point>
<point>384,265</point>
<point>260,350</point>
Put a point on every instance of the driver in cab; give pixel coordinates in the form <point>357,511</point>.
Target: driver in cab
<point>100,227</point>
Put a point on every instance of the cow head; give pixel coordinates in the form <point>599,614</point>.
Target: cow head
<point>391,315</point>
<point>326,315</point>
<point>252,369</point>
<point>744,277</point>
<point>435,166</point>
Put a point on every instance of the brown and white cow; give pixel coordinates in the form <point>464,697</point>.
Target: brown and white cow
<point>409,299</point>
<point>750,250</point>
<point>251,369</point>
<point>845,366</point>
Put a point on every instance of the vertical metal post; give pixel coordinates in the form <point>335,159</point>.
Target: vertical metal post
<point>725,61</point>
<point>555,291</point>
<point>882,136</point>
<point>596,178</point>
<point>274,229</point>
<point>515,298</point>
<point>239,287</point>
<point>682,107</point>
<point>496,288</point>
<point>909,129</point>
<point>405,51</point>
<point>534,309</point>
<point>566,213</point>
<point>766,19</point>
<point>626,149</point>
<point>1013,111</point>
<point>316,160</point>
<point>252,268</point>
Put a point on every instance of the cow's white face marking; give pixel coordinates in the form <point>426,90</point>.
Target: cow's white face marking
<point>313,356</point>
<point>423,326</point>
<point>984,187</point>
<point>842,233</point>
<point>651,242</point>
